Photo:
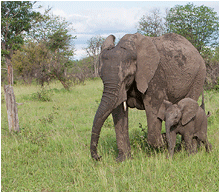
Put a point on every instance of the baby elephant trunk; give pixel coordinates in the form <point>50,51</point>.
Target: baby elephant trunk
<point>169,140</point>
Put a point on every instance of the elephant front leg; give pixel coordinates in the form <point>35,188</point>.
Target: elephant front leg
<point>120,118</point>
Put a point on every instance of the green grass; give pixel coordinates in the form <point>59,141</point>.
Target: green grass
<point>51,153</point>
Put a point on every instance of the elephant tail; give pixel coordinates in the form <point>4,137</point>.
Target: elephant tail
<point>203,104</point>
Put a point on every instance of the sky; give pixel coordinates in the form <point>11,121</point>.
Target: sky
<point>91,18</point>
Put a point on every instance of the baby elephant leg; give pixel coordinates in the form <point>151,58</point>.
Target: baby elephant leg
<point>194,145</point>
<point>208,146</point>
<point>188,138</point>
<point>203,138</point>
<point>202,134</point>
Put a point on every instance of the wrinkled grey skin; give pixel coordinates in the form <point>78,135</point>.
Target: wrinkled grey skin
<point>187,119</point>
<point>142,71</point>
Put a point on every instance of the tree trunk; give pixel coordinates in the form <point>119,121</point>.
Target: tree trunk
<point>64,84</point>
<point>10,69</point>
<point>12,110</point>
<point>96,66</point>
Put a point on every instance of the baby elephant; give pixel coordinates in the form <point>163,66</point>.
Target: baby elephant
<point>187,119</point>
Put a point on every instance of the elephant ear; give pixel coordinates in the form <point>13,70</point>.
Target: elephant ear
<point>161,113</point>
<point>108,43</point>
<point>147,61</point>
<point>188,107</point>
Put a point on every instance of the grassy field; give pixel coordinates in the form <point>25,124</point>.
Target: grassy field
<point>51,153</point>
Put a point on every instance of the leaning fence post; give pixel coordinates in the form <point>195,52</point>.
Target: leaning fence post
<point>12,110</point>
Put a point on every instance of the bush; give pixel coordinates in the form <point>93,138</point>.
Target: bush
<point>42,95</point>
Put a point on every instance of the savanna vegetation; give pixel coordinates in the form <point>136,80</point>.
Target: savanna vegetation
<point>58,96</point>
<point>51,152</point>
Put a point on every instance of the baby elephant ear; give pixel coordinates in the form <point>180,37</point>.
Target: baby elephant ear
<point>162,109</point>
<point>147,61</point>
<point>188,107</point>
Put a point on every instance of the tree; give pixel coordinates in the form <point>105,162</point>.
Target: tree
<point>60,44</point>
<point>47,52</point>
<point>198,24</point>
<point>32,61</point>
<point>15,22</point>
<point>152,24</point>
<point>93,50</point>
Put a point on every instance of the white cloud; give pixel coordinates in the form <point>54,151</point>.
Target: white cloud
<point>109,19</point>
<point>90,21</point>
<point>60,13</point>
<point>80,53</point>
<point>106,21</point>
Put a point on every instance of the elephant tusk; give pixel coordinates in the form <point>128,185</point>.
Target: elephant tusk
<point>125,105</point>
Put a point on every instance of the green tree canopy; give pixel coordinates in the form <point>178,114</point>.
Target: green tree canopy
<point>31,61</point>
<point>198,24</point>
<point>47,52</point>
<point>16,17</point>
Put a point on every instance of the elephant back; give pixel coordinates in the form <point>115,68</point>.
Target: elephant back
<point>180,61</point>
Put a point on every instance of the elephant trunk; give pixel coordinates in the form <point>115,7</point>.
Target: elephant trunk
<point>108,102</point>
<point>170,145</point>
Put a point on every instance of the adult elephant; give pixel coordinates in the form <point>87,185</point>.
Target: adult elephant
<point>141,72</point>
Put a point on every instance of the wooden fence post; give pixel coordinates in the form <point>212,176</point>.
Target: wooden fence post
<point>12,110</point>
